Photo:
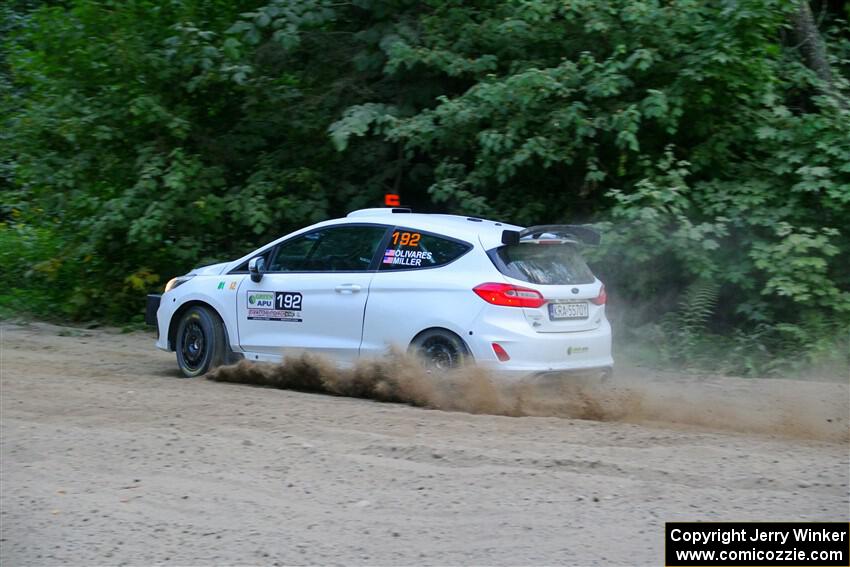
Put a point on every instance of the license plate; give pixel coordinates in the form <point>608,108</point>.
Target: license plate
<point>576,310</point>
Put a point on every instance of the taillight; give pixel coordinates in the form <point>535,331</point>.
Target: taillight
<point>509,295</point>
<point>601,298</point>
<point>501,353</point>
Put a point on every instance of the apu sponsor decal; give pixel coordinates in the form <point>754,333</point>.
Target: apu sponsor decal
<point>274,306</point>
<point>406,257</point>
<point>261,299</point>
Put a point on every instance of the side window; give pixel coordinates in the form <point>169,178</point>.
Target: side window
<point>336,249</point>
<point>412,249</point>
<point>292,255</point>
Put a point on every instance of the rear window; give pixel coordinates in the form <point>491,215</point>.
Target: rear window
<point>554,264</point>
<point>412,249</point>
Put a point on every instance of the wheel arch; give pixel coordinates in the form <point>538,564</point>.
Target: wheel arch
<point>443,330</point>
<point>175,321</point>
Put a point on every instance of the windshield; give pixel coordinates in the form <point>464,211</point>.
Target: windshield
<point>552,264</point>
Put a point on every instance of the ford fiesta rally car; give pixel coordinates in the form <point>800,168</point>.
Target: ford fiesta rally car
<point>453,289</point>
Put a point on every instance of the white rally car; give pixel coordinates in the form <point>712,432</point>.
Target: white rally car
<point>452,288</point>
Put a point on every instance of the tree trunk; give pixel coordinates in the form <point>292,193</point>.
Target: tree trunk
<point>810,42</point>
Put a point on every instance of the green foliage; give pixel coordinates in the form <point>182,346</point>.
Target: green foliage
<point>31,255</point>
<point>158,137</point>
<point>683,328</point>
<point>139,139</point>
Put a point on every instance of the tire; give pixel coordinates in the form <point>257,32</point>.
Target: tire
<point>200,343</point>
<point>440,349</point>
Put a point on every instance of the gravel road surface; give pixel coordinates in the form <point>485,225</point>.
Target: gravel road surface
<point>109,458</point>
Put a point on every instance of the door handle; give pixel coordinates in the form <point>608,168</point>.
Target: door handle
<point>347,288</point>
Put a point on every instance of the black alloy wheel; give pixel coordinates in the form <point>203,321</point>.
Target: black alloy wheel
<point>200,342</point>
<point>440,350</point>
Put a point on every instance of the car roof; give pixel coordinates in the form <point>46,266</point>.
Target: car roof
<point>476,231</point>
<point>489,232</point>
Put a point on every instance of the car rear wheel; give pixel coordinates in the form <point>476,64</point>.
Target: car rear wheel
<point>200,343</point>
<point>440,350</point>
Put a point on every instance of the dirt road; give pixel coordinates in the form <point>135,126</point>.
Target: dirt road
<point>108,458</point>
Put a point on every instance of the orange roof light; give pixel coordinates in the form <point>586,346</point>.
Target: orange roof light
<point>392,200</point>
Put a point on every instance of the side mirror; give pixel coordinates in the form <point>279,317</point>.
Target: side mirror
<point>256,267</point>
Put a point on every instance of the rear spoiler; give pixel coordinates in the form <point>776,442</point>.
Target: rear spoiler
<point>582,233</point>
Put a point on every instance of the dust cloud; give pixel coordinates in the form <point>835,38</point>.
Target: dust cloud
<point>777,407</point>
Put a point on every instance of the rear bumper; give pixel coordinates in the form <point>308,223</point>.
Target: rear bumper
<point>151,307</point>
<point>539,354</point>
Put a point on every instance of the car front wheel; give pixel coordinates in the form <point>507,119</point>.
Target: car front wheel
<point>200,342</point>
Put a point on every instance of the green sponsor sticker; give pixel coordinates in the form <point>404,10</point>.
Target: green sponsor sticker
<point>261,299</point>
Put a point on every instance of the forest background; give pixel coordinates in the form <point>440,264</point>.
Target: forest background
<point>710,141</point>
